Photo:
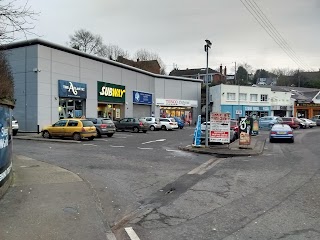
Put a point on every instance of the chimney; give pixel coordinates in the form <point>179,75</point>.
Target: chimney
<point>137,59</point>
<point>221,68</point>
<point>225,71</point>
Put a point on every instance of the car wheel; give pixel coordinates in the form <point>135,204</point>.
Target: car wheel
<point>135,129</point>
<point>46,134</point>
<point>271,140</point>
<point>98,134</point>
<point>15,132</point>
<point>144,131</point>
<point>181,127</point>
<point>152,128</point>
<point>91,138</point>
<point>292,140</point>
<point>163,127</point>
<point>109,134</point>
<point>76,136</point>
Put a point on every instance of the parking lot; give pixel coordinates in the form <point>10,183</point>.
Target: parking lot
<point>175,193</point>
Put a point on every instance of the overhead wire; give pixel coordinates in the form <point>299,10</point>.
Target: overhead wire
<point>272,32</point>
<point>276,32</point>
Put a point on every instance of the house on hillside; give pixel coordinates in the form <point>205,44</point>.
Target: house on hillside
<point>214,77</point>
<point>149,66</point>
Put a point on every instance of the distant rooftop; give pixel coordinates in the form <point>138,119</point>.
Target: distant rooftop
<point>191,72</point>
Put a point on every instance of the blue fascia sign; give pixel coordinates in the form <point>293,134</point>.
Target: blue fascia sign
<point>142,98</point>
<point>68,89</point>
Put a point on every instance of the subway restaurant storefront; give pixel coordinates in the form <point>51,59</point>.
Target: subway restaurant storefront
<point>111,100</point>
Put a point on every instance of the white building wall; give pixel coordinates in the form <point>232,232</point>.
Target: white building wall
<point>244,89</point>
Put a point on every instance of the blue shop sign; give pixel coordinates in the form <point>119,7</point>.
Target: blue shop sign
<point>142,98</point>
<point>68,89</point>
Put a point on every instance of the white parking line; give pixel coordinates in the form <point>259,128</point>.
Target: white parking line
<point>116,146</point>
<point>131,233</point>
<point>172,150</point>
<point>120,137</point>
<point>89,144</point>
<point>203,168</point>
<point>145,148</point>
<point>159,140</point>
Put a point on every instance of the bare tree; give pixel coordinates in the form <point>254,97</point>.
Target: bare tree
<point>15,19</point>
<point>86,41</point>
<point>145,55</point>
<point>112,52</point>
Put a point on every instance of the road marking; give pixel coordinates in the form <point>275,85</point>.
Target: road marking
<point>131,233</point>
<point>159,140</point>
<point>116,146</point>
<point>203,168</point>
<point>120,137</point>
<point>89,144</point>
<point>172,150</point>
<point>145,148</point>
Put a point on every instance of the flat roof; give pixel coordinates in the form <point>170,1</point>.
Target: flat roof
<point>42,42</point>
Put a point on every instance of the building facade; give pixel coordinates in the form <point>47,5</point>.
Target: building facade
<point>251,101</point>
<point>53,81</point>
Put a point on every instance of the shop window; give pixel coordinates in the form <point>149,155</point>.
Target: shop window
<point>264,98</point>
<point>253,97</point>
<point>231,96</point>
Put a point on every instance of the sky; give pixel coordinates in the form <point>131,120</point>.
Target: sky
<point>176,29</point>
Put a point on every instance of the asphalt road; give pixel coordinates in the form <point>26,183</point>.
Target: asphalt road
<point>143,182</point>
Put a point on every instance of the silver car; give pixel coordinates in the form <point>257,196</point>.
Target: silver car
<point>15,126</point>
<point>153,122</point>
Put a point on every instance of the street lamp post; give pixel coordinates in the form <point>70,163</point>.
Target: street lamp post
<point>206,49</point>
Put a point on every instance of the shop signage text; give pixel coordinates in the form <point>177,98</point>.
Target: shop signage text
<point>108,92</point>
<point>142,98</point>
<point>176,102</point>
<point>308,105</point>
<point>72,89</point>
<point>256,108</point>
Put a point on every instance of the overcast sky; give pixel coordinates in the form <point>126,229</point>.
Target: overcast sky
<point>176,29</point>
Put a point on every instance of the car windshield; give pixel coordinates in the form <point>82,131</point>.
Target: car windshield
<point>87,123</point>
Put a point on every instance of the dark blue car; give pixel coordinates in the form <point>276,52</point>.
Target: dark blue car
<point>180,122</point>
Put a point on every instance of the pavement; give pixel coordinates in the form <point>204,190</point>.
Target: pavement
<point>49,202</point>
<point>233,149</point>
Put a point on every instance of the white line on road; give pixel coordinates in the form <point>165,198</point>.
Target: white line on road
<point>120,137</point>
<point>205,166</point>
<point>145,148</point>
<point>131,233</point>
<point>159,140</point>
<point>116,146</point>
<point>89,144</point>
<point>172,150</point>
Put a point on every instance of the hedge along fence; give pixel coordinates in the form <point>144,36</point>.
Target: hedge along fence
<point>6,105</point>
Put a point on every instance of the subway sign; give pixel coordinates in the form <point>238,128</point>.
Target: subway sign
<point>109,92</point>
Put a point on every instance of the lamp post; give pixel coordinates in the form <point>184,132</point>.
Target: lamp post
<point>206,49</point>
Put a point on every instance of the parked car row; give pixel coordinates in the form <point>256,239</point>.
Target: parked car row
<point>97,127</point>
<point>293,122</point>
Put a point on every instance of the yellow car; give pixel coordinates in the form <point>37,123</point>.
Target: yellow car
<point>71,127</point>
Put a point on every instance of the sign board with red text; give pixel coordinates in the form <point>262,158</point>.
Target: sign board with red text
<point>220,127</point>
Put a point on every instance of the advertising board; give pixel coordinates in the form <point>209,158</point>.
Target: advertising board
<point>220,127</point>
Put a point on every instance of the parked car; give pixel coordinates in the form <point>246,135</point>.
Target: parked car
<point>293,122</point>
<point>71,127</point>
<point>180,122</point>
<point>316,119</point>
<point>234,125</point>
<point>309,122</point>
<point>15,126</point>
<point>269,121</point>
<point>168,123</point>
<point>281,131</point>
<point>104,126</point>
<point>302,124</point>
<point>132,124</point>
<point>154,123</point>
<point>203,126</point>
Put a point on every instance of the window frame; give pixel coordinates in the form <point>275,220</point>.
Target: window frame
<point>231,94</point>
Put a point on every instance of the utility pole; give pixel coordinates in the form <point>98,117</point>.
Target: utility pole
<point>206,49</point>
